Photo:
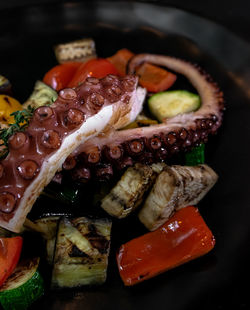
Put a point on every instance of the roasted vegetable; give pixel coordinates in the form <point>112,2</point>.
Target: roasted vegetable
<point>81,254</point>
<point>128,193</point>
<point>182,238</point>
<point>196,156</point>
<point>120,60</point>
<point>47,226</point>
<point>173,102</point>
<point>155,79</point>
<point>5,86</point>
<point>141,121</point>
<point>175,187</point>
<point>23,287</point>
<point>10,250</point>
<point>8,105</point>
<point>41,95</point>
<point>79,50</point>
<point>97,68</point>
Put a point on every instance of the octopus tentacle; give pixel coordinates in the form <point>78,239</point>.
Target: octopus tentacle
<point>175,134</point>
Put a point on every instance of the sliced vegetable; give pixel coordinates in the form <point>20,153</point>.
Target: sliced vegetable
<point>79,50</point>
<point>171,103</point>
<point>128,193</point>
<point>5,86</point>
<point>175,187</point>
<point>196,156</point>
<point>23,287</point>
<point>182,238</point>
<point>10,250</point>
<point>41,95</point>
<point>59,76</point>
<point>155,79</point>
<point>81,254</point>
<point>120,60</point>
<point>98,68</point>
<point>8,105</point>
<point>141,121</point>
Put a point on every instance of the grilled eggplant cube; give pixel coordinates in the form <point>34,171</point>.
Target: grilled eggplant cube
<point>81,254</point>
<point>79,50</point>
<point>128,193</point>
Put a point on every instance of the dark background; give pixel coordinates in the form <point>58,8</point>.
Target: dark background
<point>234,14</point>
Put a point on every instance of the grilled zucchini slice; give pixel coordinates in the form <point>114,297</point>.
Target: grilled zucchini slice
<point>41,95</point>
<point>23,287</point>
<point>79,50</point>
<point>176,187</point>
<point>81,253</point>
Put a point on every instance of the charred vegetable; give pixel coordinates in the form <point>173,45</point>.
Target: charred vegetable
<point>5,86</point>
<point>175,187</point>
<point>182,238</point>
<point>81,253</point>
<point>128,193</point>
<point>80,50</point>
<point>23,287</point>
<point>41,95</point>
<point>8,105</point>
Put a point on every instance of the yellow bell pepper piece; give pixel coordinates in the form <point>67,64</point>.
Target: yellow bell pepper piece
<point>8,105</point>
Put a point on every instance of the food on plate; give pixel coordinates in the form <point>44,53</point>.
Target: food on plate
<point>129,192</point>
<point>5,86</point>
<point>79,50</point>
<point>76,116</point>
<point>8,105</point>
<point>162,141</point>
<point>175,187</point>
<point>87,134</point>
<point>23,287</point>
<point>81,252</point>
<point>170,103</point>
<point>10,250</point>
<point>41,95</point>
<point>182,238</point>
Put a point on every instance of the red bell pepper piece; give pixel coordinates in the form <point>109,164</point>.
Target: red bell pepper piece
<point>120,60</point>
<point>98,68</point>
<point>59,76</point>
<point>154,78</point>
<point>182,238</point>
<point>10,250</point>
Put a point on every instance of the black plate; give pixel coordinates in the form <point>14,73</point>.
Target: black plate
<point>218,280</point>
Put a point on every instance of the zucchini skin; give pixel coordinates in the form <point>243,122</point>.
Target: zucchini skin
<point>21,297</point>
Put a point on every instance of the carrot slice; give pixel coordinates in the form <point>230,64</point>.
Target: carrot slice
<point>154,78</point>
<point>182,238</point>
<point>120,60</point>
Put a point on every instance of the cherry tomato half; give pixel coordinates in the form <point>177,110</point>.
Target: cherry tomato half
<point>98,68</point>
<point>59,76</point>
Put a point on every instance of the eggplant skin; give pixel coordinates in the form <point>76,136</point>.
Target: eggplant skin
<point>81,252</point>
<point>129,192</point>
<point>176,187</point>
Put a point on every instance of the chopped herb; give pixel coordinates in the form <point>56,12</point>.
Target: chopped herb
<point>22,119</point>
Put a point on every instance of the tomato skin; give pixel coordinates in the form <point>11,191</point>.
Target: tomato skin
<point>97,68</point>
<point>10,250</point>
<point>59,76</point>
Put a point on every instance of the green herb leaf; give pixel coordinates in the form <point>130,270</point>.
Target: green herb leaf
<point>22,119</point>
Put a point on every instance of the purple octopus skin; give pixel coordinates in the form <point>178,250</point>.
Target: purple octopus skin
<point>117,150</point>
<point>54,132</point>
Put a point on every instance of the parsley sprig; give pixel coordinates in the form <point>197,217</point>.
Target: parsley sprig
<point>22,119</point>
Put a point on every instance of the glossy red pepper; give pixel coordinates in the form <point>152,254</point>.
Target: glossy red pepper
<point>182,238</point>
<point>59,76</point>
<point>98,68</point>
<point>10,250</point>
